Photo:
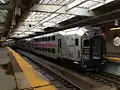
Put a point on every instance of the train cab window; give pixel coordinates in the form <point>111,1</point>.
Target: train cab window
<point>76,42</point>
<point>53,38</point>
<point>86,42</point>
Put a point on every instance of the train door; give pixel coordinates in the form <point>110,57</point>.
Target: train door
<point>86,49</point>
<point>30,45</point>
<point>97,49</point>
<point>59,47</point>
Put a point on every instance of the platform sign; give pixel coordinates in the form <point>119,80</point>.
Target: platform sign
<point>116,41</point>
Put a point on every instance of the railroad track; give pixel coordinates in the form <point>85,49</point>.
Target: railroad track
<point>107,79</point>
<point>54,79</point>
<point>69,78</point>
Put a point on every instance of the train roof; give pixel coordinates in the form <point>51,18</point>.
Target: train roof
<point>71,31</point>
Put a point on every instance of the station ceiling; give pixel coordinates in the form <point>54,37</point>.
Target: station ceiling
<point>3,15</point>
<point>49,15</point>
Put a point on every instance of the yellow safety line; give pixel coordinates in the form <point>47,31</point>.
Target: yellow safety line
<point>113,58</point>
<point>45,88</point>
<point>32,75</point>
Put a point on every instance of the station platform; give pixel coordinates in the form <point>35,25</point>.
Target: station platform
<point>22,75</point>
<point>7,80</point>
<point>113,65</point>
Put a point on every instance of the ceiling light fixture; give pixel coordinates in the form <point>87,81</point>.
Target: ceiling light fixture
<point>118,28</point>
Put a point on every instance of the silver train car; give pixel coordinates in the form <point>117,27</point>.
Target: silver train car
<point>71,45</point>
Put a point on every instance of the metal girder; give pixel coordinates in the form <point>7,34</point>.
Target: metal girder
<point>4,1</point>
<point>75,4</point>
<point>2,19</point>
<point>1,27</point>
<point>4,14</point>
<point>9,5</point>
<point>12,3</point>
<point>61,10</point>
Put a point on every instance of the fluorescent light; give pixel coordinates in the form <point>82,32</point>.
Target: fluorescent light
<point>48,24</point>
<point>118,28</point>
<point>3,1</point>
<point>27,33</point>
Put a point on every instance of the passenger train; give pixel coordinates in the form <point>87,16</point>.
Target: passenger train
<point>75,45</point>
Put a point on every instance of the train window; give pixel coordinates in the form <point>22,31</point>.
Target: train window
<point>42,39</point>
<point>35,39</point>
<point>48,38</point>
<point>53,38</point>
<point>48,49</point>
<point>45,38</point>
<point>35,47</point>
<point>43,49</point>
<point>76,42</point>
<point>86,42</point>
<point>39,39</point>
<point>40,48</point>
<point>53,50</point>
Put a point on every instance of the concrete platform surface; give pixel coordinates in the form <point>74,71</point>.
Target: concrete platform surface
<point>26,76</point>
<point>7,81</point>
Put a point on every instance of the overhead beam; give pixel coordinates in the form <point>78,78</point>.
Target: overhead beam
<point>2,19</point>
<point>3,14</point>
<point>11,4</point>
<point>61,10</point>
<point>75,4</point>
<point>1,27</point>
<point>8,5</point>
